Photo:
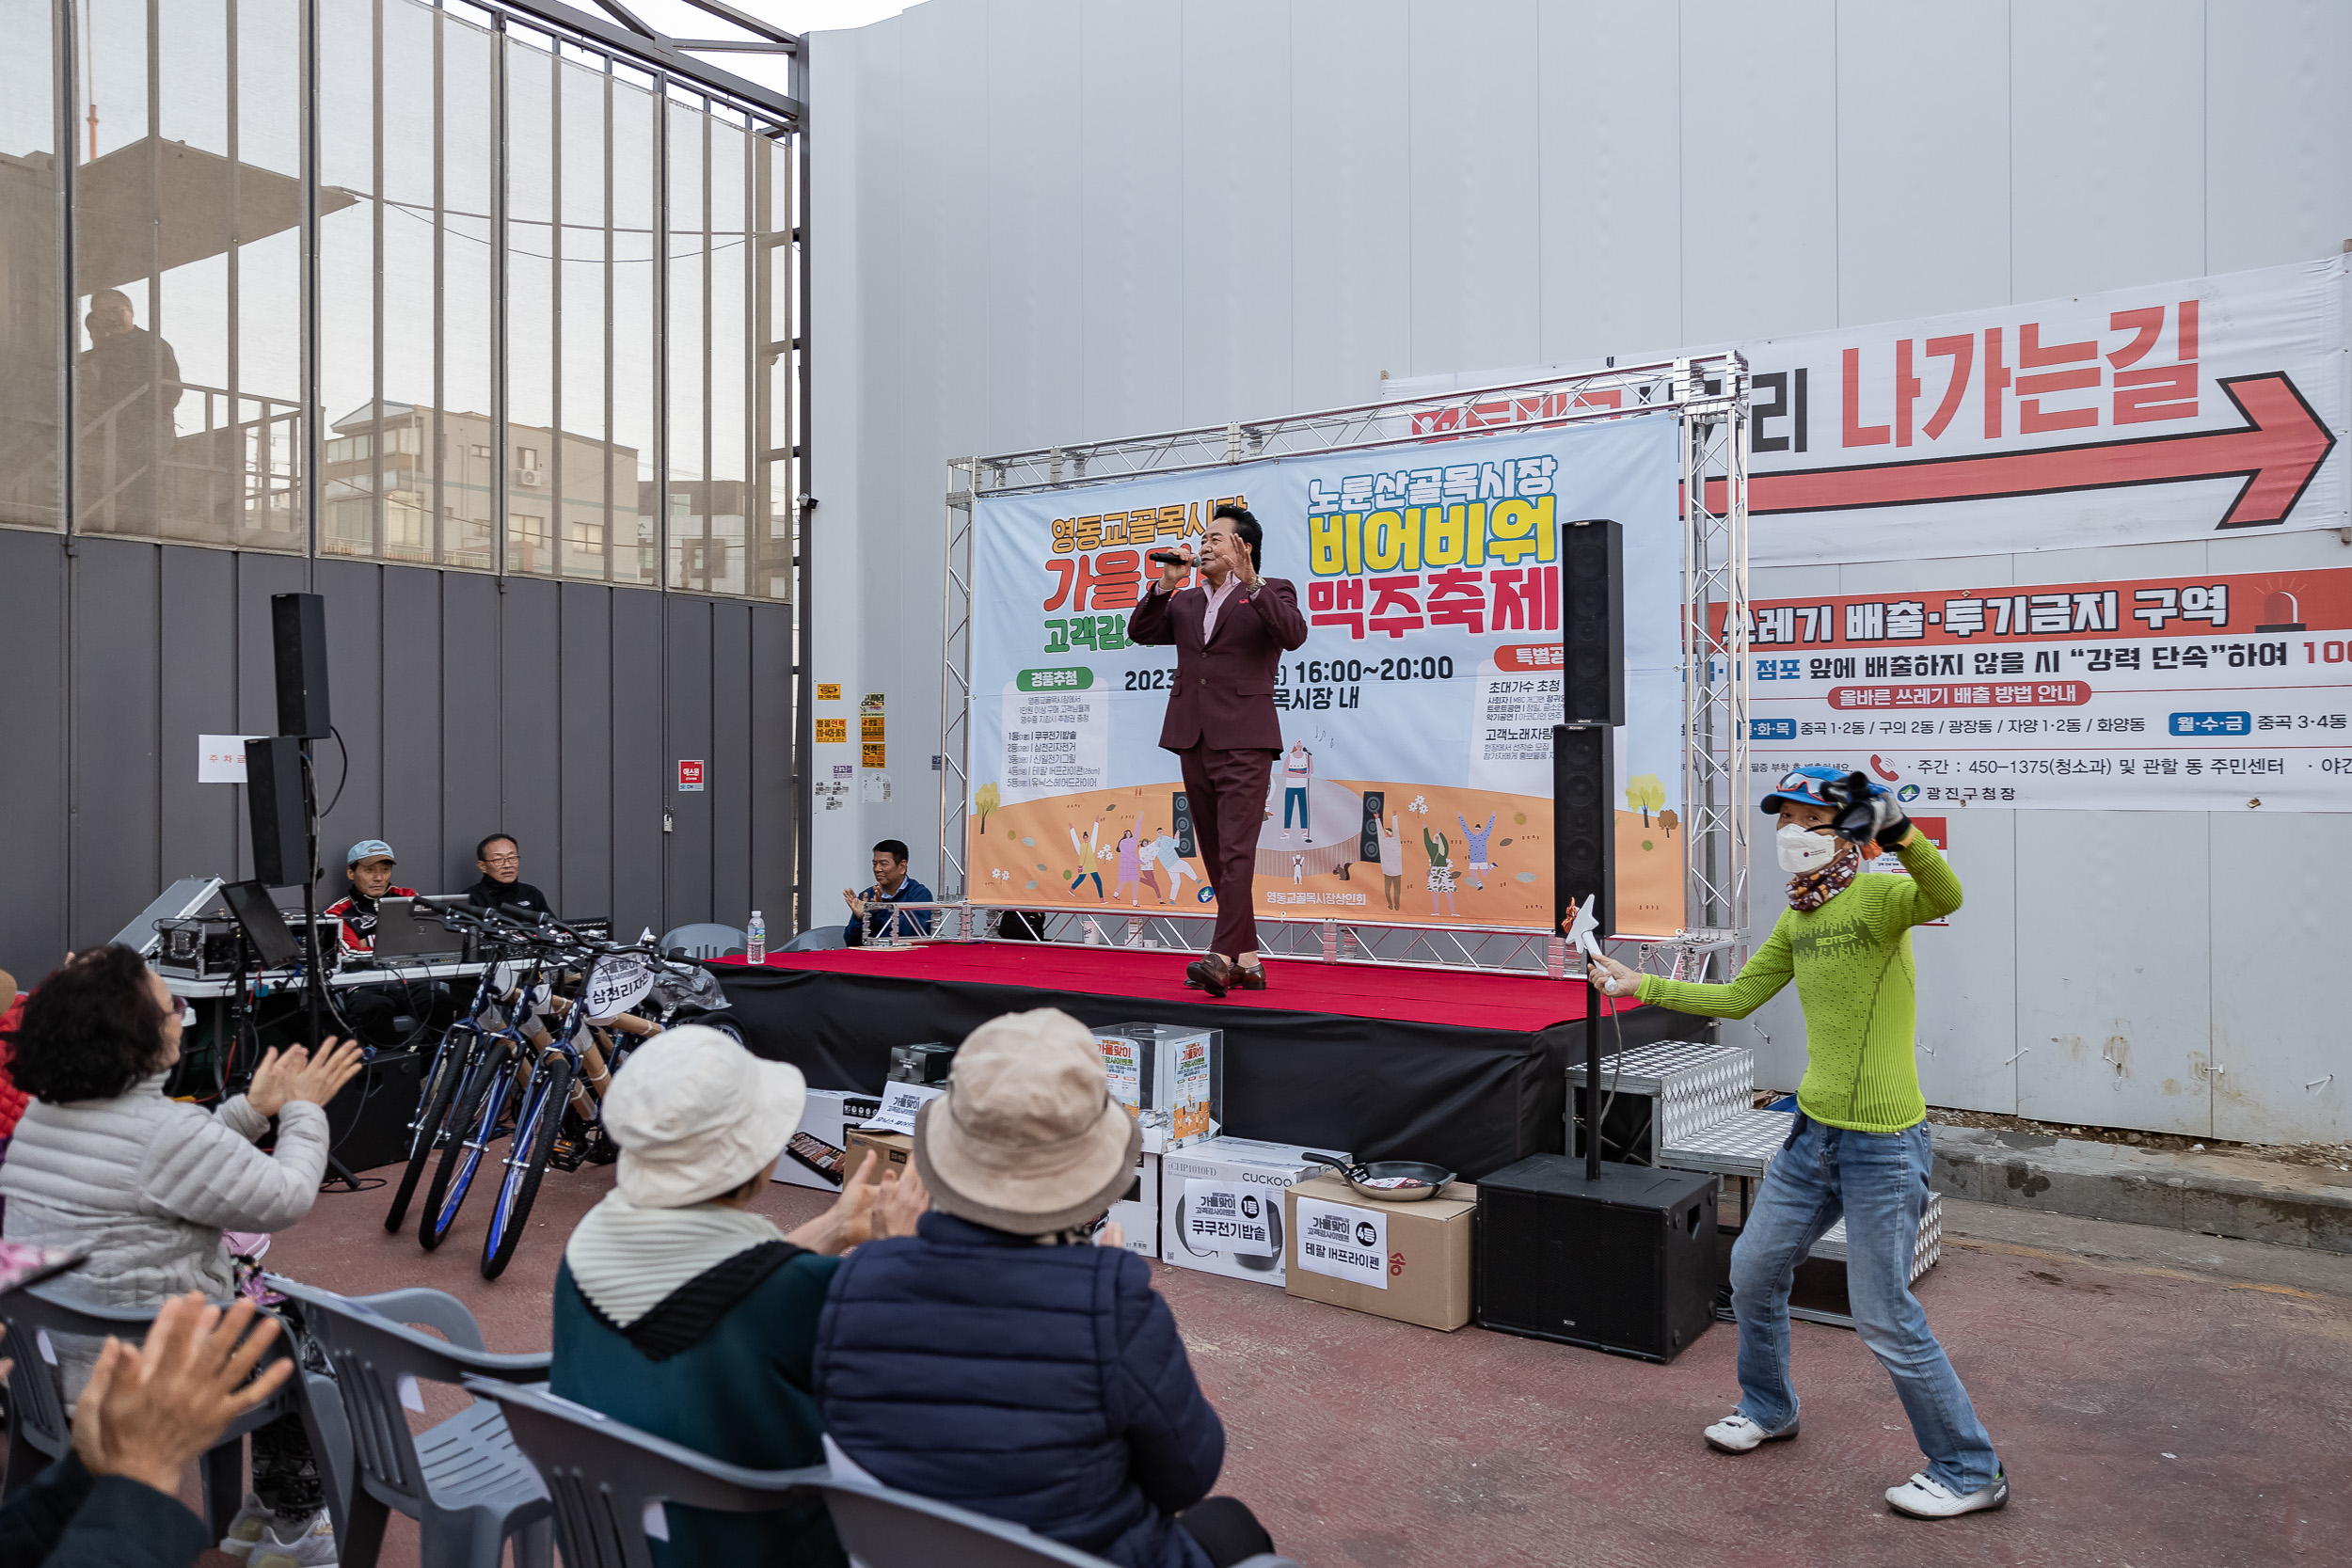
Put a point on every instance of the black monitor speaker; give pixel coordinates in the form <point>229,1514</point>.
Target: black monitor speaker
<point>1585,819</point>
<point>1592,620</point>
<point>298,624</point>
<point>273,798</point>
<point>1626,1262</point>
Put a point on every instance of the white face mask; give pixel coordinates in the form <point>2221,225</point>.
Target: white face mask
<point>1802,849</point>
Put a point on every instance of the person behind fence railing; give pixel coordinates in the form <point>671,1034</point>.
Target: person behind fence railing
<point>892,885</point>
<point>102,1160</point>
<point>682,1312</point>
<point>1010,1356</point>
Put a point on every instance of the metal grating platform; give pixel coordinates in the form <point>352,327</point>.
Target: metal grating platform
<point>1923,1256</point>
<point>1743,1144</point>
<point>1695,1085</point>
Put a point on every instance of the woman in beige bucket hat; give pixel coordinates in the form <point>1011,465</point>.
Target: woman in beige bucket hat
<point>1000,1358</point>
<point>682,1312</point>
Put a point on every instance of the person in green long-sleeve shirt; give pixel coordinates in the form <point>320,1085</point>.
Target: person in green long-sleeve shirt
<point>1859,1149</point>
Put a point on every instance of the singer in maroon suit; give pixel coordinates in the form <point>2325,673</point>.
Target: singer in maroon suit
<point>1222,723</point>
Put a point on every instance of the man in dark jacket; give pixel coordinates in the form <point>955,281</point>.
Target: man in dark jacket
<point>1075,1412</point>
<point>500,860</point>
<point>1230,635</point>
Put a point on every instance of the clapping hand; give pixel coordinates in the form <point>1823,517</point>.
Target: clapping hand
<point>296,1074</point>
<point>145,1413</point>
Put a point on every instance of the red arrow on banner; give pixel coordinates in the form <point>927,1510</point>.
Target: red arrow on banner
<point>2278,450</point>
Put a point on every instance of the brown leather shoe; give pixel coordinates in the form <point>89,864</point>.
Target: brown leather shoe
<point>1248,978</point>
<point>1211,973</point>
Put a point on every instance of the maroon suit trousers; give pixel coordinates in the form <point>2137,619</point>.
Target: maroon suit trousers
<point>1227,792</point>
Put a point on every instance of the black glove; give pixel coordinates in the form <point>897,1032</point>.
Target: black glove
<point>1867,817</point>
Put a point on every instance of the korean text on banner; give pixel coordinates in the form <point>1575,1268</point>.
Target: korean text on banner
<point>2168,411</point>
<point>2209,693</point>
<point>1231,1216</point>
<point>1344,1242</point>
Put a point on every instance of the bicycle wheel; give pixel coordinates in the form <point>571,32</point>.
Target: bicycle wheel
<point>449,1071</point>
<point>525,1163</point>
<point>472,1120</point>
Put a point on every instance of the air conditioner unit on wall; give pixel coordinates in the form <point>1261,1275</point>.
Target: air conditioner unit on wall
<point>529,476</point>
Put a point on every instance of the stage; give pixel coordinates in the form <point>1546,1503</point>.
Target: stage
<point>1467,1069</point>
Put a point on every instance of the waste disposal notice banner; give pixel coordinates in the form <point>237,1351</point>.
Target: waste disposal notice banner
<point>1415,784</point>
<point>2198,694</point>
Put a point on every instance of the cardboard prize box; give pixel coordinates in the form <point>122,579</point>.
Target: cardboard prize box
<point>818,1156</point>
<point>890,1132</point>
<point>896,1148</point>
<point>1138,1214</point>
<point>1221,1205</point>
<point>1410,1262</point>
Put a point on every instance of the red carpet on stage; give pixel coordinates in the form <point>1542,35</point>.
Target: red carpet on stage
<point>1466,998</point>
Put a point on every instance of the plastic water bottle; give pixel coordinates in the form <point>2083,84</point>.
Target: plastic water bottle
<point>755,949</point>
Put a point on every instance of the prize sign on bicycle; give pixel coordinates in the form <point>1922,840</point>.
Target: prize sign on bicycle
<point>619,982</point>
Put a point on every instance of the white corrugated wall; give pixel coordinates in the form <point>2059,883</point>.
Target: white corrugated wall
<point>1038,220</point>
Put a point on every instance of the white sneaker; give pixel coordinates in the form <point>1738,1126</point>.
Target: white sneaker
<point>310,1544</point>
<point>244,1530</point>
<point>1924,1498</point>
<point>1735,1434</point>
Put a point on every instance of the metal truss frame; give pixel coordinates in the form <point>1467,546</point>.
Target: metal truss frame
<point>1707,395</point>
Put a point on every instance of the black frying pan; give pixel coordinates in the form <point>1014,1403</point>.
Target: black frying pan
<point>1390,1181</point>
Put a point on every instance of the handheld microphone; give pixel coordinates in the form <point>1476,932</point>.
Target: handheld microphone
<point>1167,558</point>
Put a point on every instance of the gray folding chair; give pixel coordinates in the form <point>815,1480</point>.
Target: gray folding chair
<point>816,938</point>
<point>705,940</point>
<point>880,1528</point>
<point>463,1481</point>
<point>40,1429</point>
<point>606,1476</point>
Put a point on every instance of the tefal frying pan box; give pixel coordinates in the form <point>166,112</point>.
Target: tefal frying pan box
<point>1410,1262</point>
<point>1221,1205</point>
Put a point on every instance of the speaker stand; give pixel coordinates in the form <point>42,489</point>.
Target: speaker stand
<point>1592,1073</point>
<point>315,969</point>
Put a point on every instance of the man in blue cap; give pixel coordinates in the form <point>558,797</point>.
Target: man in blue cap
<point>374,1012</point>
<point>1859,1148</point>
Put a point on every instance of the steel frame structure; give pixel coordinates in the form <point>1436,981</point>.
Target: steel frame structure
<point>1706,395</point>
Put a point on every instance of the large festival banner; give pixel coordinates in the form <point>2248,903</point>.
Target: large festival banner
<point>1415,784</point>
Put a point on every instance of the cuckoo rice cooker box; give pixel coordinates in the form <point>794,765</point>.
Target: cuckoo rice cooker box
<point>1221,1205</point>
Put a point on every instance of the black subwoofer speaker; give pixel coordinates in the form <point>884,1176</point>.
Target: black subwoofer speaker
<point>366,1123</point>
<point>1585,819</point>
<point>298,625</point>
<point>1627,1264</point>
<point>1592,620</point>
<point>274,807</point>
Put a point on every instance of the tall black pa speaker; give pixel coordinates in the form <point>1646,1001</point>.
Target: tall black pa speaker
<point>298,624</point>
<point>1626,1263</point>
<point>273,798</point>
<point>1592,620</point>
<point>1368,846</point>
<point>1583,821</point>
<point>1180,813</point>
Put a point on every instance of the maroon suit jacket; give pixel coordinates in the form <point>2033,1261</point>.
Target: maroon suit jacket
<point>1223,695</point>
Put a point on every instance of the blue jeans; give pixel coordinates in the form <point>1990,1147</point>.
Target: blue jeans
<point>1879,1182</point>
<point>1294,796</point>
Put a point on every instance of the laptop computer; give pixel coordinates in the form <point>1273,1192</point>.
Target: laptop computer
<point>399,934</point>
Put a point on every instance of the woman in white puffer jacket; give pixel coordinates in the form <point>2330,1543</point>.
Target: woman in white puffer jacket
<point>102,1160</point>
